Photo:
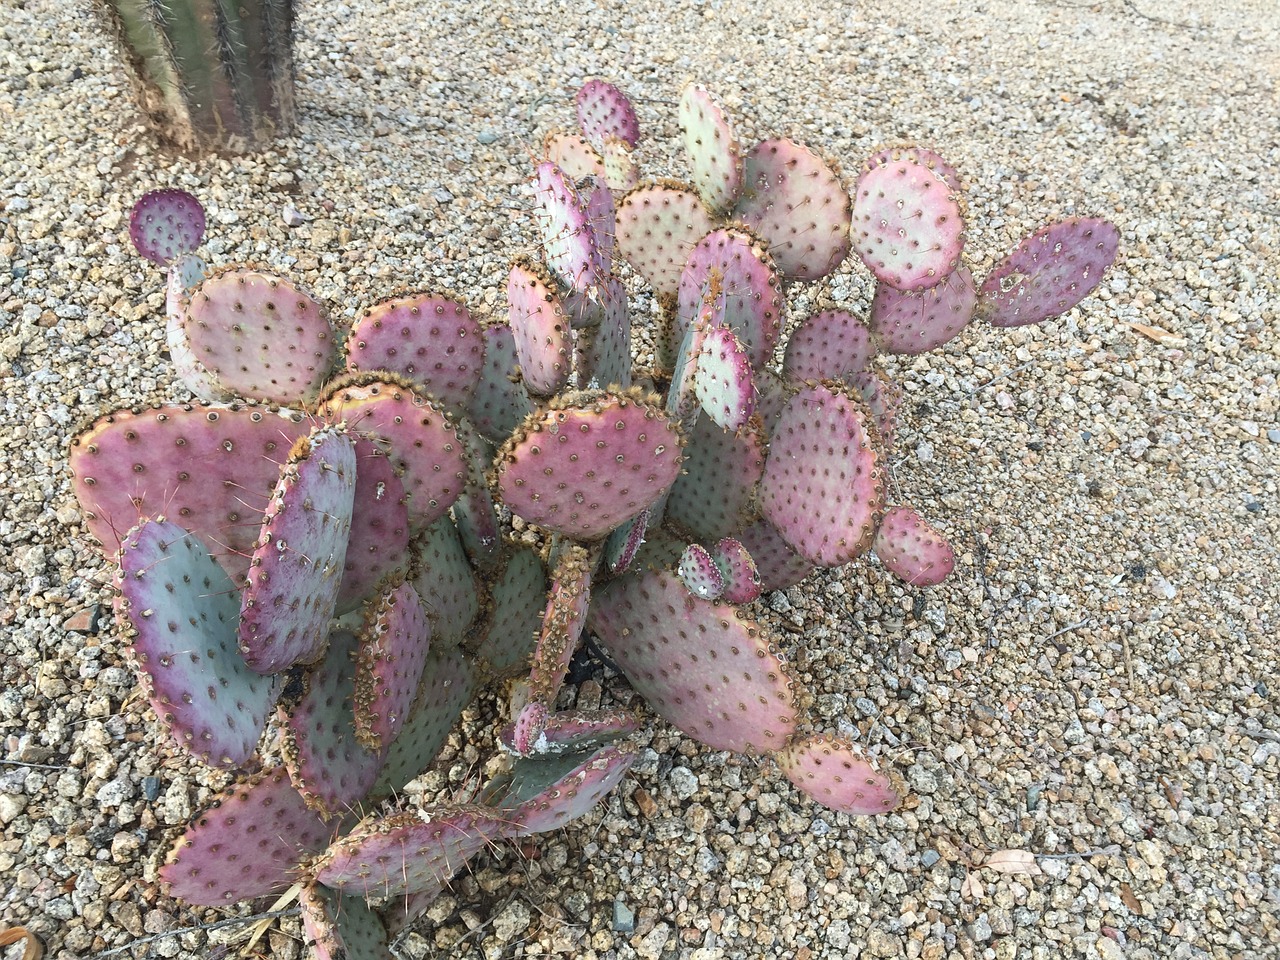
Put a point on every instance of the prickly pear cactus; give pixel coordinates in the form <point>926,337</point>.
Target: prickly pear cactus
<point>476,497</point>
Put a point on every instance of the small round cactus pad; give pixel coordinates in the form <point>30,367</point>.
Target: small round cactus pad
<point>604,111</point>
<point>1050,272</point>
<point>823,485</point>
<point>659,224</point>
<point>713,150</point>
<point>185,611</point>
<point>165,224</point>
<point>589,462</point>
<point>913,322</point>
<point>913,550</point>
<point>828,345</point>
<point>906,224</point>
<point>836,774</point>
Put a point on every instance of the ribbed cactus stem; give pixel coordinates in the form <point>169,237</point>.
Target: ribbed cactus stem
<point>209,74</point>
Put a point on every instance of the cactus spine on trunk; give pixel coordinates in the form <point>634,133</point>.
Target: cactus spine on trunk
<point>209,75</point>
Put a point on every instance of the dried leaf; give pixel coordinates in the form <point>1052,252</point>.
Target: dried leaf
<point>1013,861</point>
<point>33,950</point>
<point>1129,900</point>
<point>972,888</point>
<point>1154,333</point>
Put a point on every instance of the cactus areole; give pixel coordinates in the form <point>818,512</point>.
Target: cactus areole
<point>349,549</point>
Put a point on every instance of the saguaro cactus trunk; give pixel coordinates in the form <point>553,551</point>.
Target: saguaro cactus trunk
<point>214,75</point>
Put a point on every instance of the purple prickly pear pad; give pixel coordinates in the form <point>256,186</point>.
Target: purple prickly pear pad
<point>913,550</point>
<point>1050,272</point>
<point>604,111</point>
<point>378,543</point>
<point>165,224</point>
<point>541,329</point>
<point>722,380</point>
<point>568,240</point>
<point>828,345</point>
<point>659,224</point>
<point>500,400</point>
<point>545,793</point>
<point>741,579</point>
<point>393,651</point>
<point>341,928</point>
<point>573,155</point>
<point>713,150</point>
<point>915,322</point>
<point>836,774</point>
<point>700,574</point>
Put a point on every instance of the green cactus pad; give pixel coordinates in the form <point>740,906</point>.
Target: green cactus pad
<point>883,398</point>
<point>431,340</point>
<point>912,550</point>
<point>420,437</point>
<point>588,462</point>
<point>291,590</point>
<point>907,224</point>
<point>713,497</point>
<point>541,328</point>
<point>621,172</point>
<point>446,582</point>
<point>562,620</point>
<point>604,353</point>
<point>921,155</point>
<point>211,467</point>
<point>572,154</point>
<point>407,853</point>
<point>379,540</point>
<point>914,322</point>
<point>828,345</point>
<point>699,664</point>
<point>776,563</point>
<point>393,647</point>
<point>166,224</point>
<point>838,775</point>
<point>259,337</point>
<point>1049,273</point>
<point>794,200</point>
<point>624,542</point>
<point>448,684</point>
<point>700,574</point>
<point>184,612</point>
<point>741,579</point>
<point>659,224</point>
<point>750,286</point>
<point>823,485</point>
<point>722,380</point>
<point>714,152</point>
<point>604,111</point>
<point>341,928</point>
<point>772,393</point>
<point>568,242</point>
<point>500,400</point>
<point>546,793</point>
<point>248,844</point>
<point>325,760</point>
<point>519,594</point>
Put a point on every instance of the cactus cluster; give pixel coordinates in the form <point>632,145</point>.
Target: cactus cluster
<point>345,544</point>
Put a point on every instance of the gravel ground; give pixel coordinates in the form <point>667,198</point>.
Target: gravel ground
<point>1095,686</point>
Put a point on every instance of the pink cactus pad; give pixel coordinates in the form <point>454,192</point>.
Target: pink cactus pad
<point>500,400</point>
<point>921,155</point>
<point>573,155</point>
<point>432,340</point>
<point>326,762</point>
<point>827,345</point>
<point>571,731</point>
<point>185,274</point>
<point>772,393</point>
<point>823,485</point>
<point>475,514</point>
<point>883,398</point>
<point>568,241</point>
<point>445,581</point>
<point>562,620</point>
<point>449,682</point>
<point>1049,273</point>
<point>259,337</point>
<point>547,792</point>
<point>341,928</point>
<point>527,728</point>
<point>741,579</point>
<point>621,172</point>
<point>406,853</point>
<point>699,664</point>
<point>392,654</point>
<point>714,152</point>
<point>700,573</point>
<point>777,565</point>
<point>184,612</point>
<point>659,224</point>
<point>603,354</point>
<point>211,467</point>
<point>907,225</point>
<point>291,591</point>
<point>588,462</point>
<point>914,322</point>
<point>794,200</point>
<point>378,543</point>
<point>604,111</point>
<point>714,495</point>
<point>836,774</point>
<point>541,328</point>
<point>419,436</point>
<point>722,380</point>
<point>602,216</point>
<point>912,550</point>
<point>248,844</point>
<point>165,224</point>
<point>519,594</point>
<point>750,286</point>
<point>624,542</point>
